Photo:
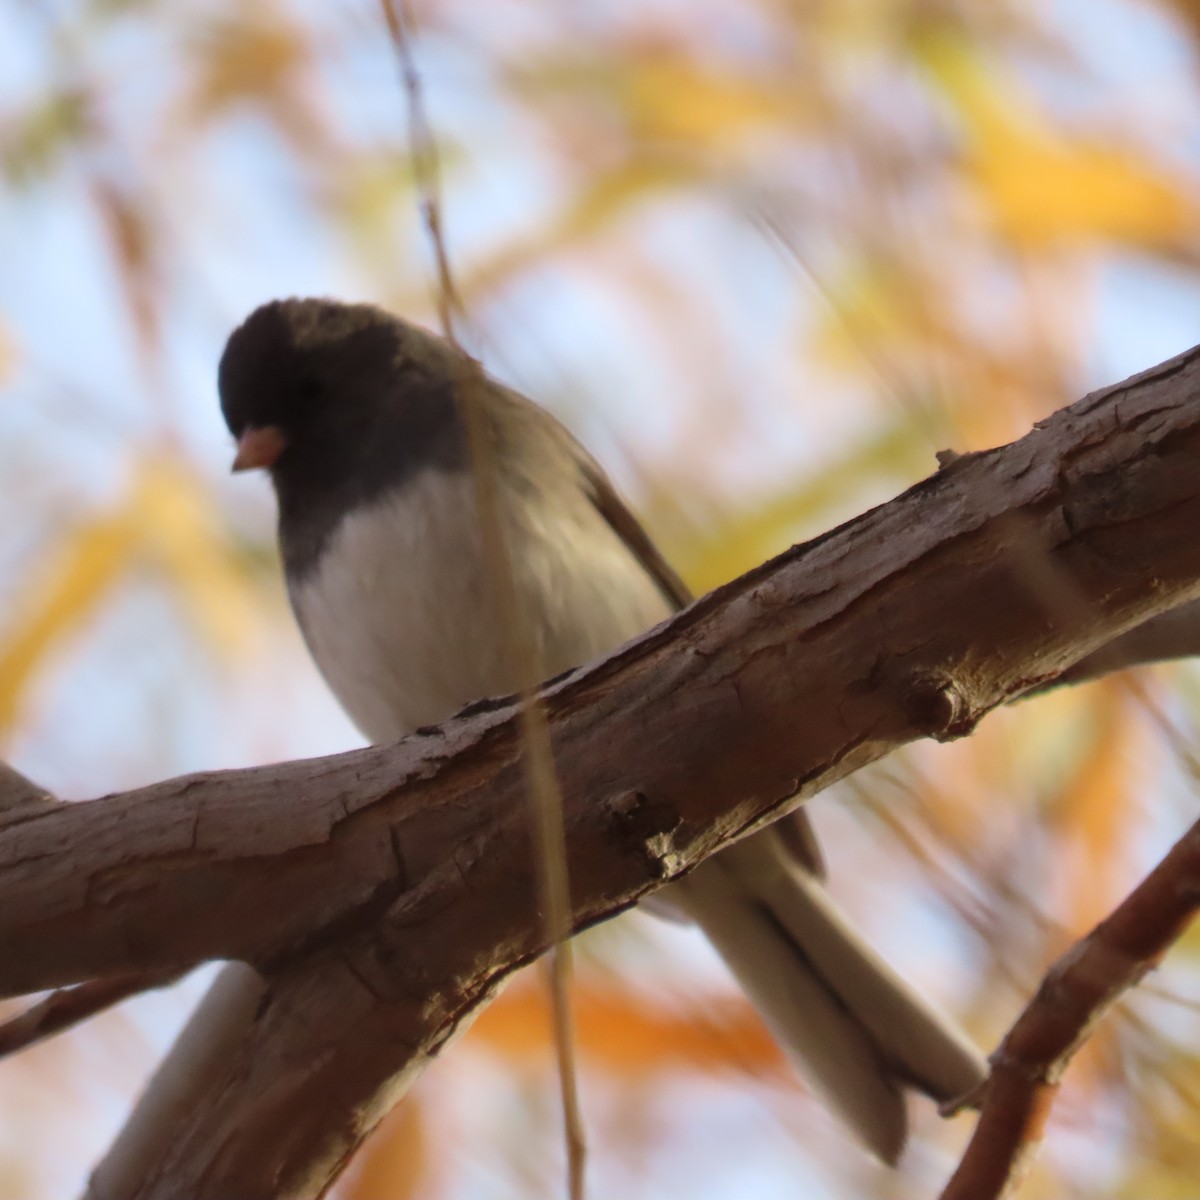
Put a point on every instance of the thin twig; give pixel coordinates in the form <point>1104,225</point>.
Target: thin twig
<point>525,668</point>
<point>1076,992</point>
<point>426,169</point>
<point>67,1007</point>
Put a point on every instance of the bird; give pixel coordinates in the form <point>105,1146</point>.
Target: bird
<point>358,418</point>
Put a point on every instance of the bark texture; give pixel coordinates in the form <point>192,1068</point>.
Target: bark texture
<point>384,894</point>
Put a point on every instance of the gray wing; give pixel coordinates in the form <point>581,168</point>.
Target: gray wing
<point>795,830</point>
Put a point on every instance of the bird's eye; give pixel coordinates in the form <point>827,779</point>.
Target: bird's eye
<point>308,389</point>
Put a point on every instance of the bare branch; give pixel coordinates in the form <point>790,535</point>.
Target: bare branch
<point>913,620</point>
<point>1076,992</point>
<point>386,893</point>
<point>69,1006</point>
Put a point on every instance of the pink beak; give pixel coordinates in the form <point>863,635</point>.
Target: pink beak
<point>259,448</point>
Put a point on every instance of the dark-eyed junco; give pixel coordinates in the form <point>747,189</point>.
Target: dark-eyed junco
<point>357,417</point>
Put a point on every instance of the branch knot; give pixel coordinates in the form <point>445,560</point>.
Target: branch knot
<point>938,708</point>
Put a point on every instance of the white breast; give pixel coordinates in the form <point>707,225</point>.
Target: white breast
<point>399,615</point>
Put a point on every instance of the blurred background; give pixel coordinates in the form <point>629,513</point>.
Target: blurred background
<point>765,258</point>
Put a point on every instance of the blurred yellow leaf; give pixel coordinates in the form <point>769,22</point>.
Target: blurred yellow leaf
<point>71,582</point>
<point>664,100</point>
<point>868,306</point>
<point>607,196</point>
<point>32,143</point>
<point>179,529</point>
<point>665,97</point>
<point>373,196</point>
<point>613,192</point>
<point>1042,187</point>
<point>251,58</point>
<point>890,314</point>
<point>1170,1154</point>
<point>629,1035</point>
<point>262,59</point>
<point>1167,1168</point>
<point>1158,1181</point>
<point>165,519</point>
<point>724,550</point>
<point>669,98</point>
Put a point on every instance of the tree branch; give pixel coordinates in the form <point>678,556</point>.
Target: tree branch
<point>1076,992</point>
<point>67,1007</point>
<point>387,892</point>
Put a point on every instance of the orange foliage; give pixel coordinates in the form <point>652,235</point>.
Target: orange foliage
<point>629,1035</point>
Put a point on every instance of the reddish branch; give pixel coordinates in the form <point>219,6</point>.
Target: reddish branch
<point>69,1006</point>
<point>1076,992</point>
<point>384,894</point>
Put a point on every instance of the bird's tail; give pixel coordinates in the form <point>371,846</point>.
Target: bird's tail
<point>859,1032</point>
